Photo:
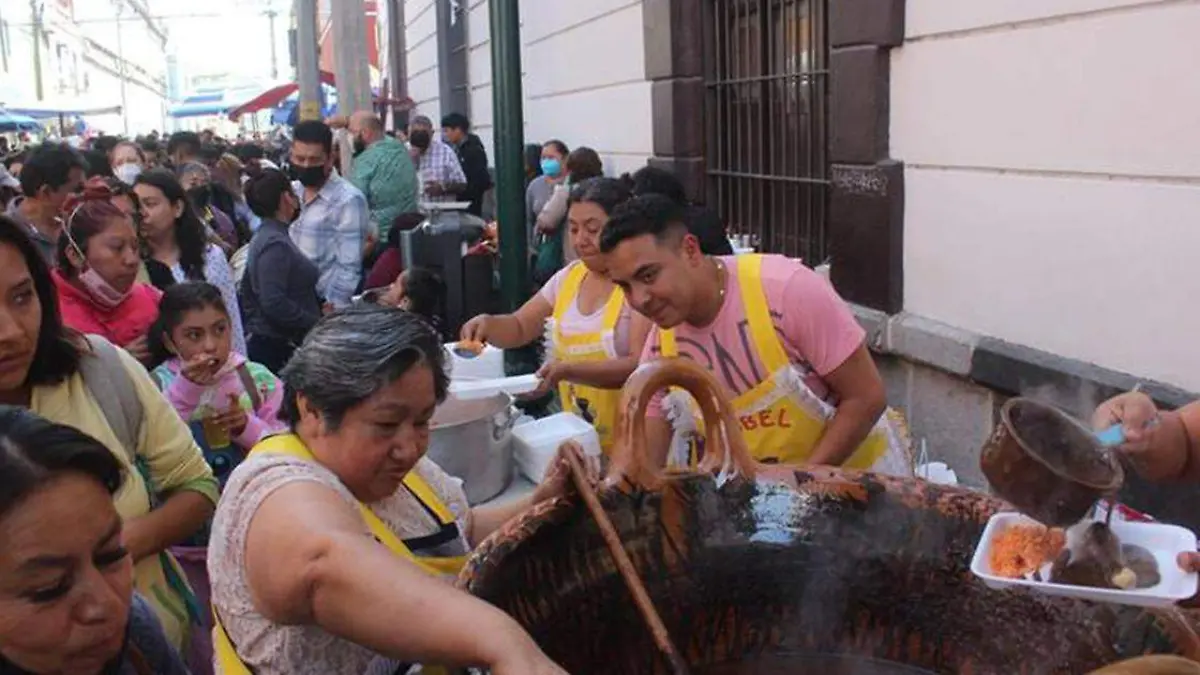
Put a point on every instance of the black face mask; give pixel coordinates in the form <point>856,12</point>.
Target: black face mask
<point>359,145</point>
<point>309,176</point>
<point>200,196</point>
<point>419,139</point>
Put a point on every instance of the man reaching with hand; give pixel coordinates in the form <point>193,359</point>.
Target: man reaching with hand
<point>1163,446</point>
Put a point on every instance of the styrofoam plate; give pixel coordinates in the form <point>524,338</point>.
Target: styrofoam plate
<point>1164,541</point>
<point>472,389</point>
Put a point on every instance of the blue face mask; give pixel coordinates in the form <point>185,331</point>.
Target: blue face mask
<point>551,167</point>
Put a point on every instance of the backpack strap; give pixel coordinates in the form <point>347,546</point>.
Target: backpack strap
<point>109,383</point>
<point>249,385</point>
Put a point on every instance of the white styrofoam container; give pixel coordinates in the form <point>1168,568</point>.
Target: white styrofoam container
<point>468,389</point>
<point>487,365</point>
<point>1164,541</point>
<point>535,443</point>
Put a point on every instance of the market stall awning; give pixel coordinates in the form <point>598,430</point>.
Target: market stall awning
<point>272,97</point>
<point>44,110</point>
<point>210,102</point>
<point>10,122</point>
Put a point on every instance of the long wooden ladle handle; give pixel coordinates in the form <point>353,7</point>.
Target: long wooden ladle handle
<point>1152,665</point>
<point>641,599</point>
<point>724,445</point>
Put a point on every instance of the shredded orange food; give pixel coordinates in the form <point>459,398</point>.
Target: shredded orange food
<point>470,347</point>
<point>1021,549</point>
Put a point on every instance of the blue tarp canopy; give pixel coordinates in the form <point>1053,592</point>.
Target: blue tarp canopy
<point>51,111</point>
<point>10,122</point>
<point>210,102</point>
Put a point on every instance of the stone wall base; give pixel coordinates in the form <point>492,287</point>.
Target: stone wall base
<point>950,384</point>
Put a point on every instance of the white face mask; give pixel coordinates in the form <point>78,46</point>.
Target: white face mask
<point>127,173</point>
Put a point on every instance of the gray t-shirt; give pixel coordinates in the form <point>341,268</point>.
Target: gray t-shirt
<point>539,192</point>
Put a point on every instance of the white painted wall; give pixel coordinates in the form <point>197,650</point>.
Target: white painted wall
<point>421,39</point>
<point>584,77</point>
<point>1053,175</point>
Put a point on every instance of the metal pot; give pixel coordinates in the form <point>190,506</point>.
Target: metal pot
<point>1048,465</point>
<point>472,440</point>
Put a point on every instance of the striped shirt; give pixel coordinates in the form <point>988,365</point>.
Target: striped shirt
<point>439,164</point>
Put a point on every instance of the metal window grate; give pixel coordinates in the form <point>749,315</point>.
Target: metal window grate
<point>766,98</point>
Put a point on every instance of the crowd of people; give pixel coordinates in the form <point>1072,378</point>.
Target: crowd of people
<point>203,414</point>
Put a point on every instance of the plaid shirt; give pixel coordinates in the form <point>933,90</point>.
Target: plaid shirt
<point>440,164</point>
<point>332,230</point>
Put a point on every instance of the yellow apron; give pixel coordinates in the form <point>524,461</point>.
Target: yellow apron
<point>781,418</point>
<point>597,406</point>
<point>228,662</point>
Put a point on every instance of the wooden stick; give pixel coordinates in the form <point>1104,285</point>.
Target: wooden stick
<point>625,565</point>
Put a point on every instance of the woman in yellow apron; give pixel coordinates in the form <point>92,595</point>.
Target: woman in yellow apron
<point>781,417</point>
<point>333,546</point>
<point>594,339</point>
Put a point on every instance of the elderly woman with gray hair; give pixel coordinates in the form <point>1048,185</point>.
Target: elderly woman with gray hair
<point>325,539</point>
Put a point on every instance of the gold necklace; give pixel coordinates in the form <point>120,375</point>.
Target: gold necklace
<point>720,277</point>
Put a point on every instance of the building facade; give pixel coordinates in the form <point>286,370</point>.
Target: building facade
<point>86,54</point>
<point>584,72</point>
<point>1007,192</point>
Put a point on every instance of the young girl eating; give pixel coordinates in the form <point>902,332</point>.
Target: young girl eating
<point>229,403</point>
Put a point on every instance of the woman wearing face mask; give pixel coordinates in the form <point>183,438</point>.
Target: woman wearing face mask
<point>582,164</point>
<point>96,279</point>
<point>552,173</point>
<point>279,289</point>
<point>539,193</point>
<point>197,181</point>
<point>127,161</point>
<point>78,614</point>
<point>176,248</point>
<point>90,385</point>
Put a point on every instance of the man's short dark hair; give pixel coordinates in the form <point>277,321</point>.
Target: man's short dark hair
<point>210,154</point>
<point>314,131</point>
<point>98,165</point>
<point>651,214</point>
<point>247,152</point>
<point>50,166</point>
<point>187,142</point>
<point>654,180</point>
<point>106,143</point>
<point>456,121</point>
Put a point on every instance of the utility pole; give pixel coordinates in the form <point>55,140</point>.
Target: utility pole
<point>36,16</point>
<point>274,58</point>
<point>308,76</point>
<point>398,61</point>
<point>508,116</point>
<point>350,56</point>
<point>121,70</point>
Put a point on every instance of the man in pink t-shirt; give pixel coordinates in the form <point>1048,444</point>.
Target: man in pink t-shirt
<point>698,303</point>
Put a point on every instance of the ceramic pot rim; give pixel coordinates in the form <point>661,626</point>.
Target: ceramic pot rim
<point>1118,472</point>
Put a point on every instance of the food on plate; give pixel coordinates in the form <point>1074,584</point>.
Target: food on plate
<point>468,348</point>
<point>1093,556</point>
<point>1019,550</point>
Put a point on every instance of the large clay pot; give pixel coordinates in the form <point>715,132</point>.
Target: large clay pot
<point>756,569</point>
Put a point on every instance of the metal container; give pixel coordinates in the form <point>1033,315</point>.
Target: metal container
<point>1048,465</point>
<point>473,441</point>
